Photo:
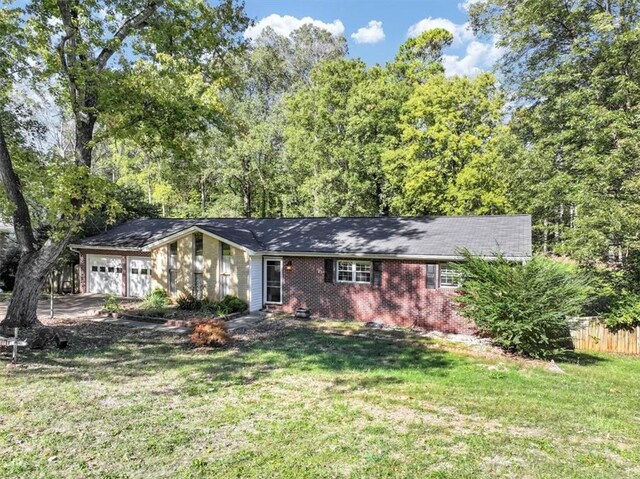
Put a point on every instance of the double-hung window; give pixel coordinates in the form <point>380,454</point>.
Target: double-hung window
<point>225,269</point>
<point>449,277</point>
<point>354,271</point>
<point>198,265</point>
<point>173,268</point>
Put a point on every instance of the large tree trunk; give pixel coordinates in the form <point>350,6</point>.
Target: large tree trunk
<point>33,270</point>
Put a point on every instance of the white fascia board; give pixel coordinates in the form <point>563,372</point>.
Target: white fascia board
<point>75,247</point>
<point>383,256</point>
<point>191,230</point>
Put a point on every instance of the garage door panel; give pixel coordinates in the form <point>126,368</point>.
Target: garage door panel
<point>139,276</point>
<point>105,274</point>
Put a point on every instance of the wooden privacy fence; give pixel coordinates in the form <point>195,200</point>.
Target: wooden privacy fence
<point>591,334</point>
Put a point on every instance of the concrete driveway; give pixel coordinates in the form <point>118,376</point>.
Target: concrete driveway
<point>70,306</point>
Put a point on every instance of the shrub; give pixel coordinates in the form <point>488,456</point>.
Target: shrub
<point>188,302</point>
<point>156,299</point>
<point>233,304</point>
<point>523,307</point>
<point>210,333</point>
<point>111,304</point>
<point>625,313</point>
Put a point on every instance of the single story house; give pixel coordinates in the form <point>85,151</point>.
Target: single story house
<point>389,269</point>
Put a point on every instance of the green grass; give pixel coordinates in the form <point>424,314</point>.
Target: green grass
<point>313,400</point>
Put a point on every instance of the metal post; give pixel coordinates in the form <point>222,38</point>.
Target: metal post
<point>14,358</point>
<point>51,311</point>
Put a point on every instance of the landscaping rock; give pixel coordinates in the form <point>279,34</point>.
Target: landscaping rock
<point>374,325</point>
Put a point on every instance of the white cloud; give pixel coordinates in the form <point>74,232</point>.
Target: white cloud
<point>285,24</point>
<point>460,31</point>
<point>466,5</point>
<point>478,57</point>
<point>372,33</point>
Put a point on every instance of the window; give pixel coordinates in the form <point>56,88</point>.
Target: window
<point>198,252</point>
<point>94,269</point>
<point>119,270</point>
<point>173,290</point>
<point>173,264</point>
<point>144,271</point>
<point>449,278</point>
<point>173,255</point>
<point>225,269</point>
<point>198,285</point>
<point>226,258</point>
<point>111,269</point>
<point>103,269</point>
<point>354,271</point>
<point>134,270</point>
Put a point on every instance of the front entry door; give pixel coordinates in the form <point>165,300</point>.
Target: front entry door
<point>273,281</point>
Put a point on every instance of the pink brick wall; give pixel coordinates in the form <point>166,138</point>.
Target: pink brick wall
<point>402,299</point>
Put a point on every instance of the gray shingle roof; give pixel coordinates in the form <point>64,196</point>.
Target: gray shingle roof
<point>430,236</point>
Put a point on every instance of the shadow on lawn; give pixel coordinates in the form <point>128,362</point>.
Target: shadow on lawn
<point>297,346</point>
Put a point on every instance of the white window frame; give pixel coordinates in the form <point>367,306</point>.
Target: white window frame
<point>353,268</point>
<point>264,279</point>
<point>198,260</point>
<point>224,274</point>
<point>453,277</point>
<point>172,268</point>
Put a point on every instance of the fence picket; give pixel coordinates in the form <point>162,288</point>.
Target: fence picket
<point>591,334</point>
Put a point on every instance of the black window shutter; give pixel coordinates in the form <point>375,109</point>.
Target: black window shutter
<point>328,270</point>
<point>432,276</point>
<point>376,277</point>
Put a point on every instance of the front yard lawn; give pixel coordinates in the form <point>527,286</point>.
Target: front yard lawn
<point>312,399</point>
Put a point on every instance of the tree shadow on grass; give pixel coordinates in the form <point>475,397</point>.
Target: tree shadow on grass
<point>298,347</point>
<point>583,359</point>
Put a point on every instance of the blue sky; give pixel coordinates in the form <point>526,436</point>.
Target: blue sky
<point>376,28</point>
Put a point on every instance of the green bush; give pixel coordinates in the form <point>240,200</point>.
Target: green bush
<point>111,304</point>
<point>156,299</point>
<point>625,313</point>
<point>523,307</point>
<point>233,304</point>
<point>188,302</point>
<point>229,304</point>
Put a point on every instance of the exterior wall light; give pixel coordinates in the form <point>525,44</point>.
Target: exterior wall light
<point>288,266</point>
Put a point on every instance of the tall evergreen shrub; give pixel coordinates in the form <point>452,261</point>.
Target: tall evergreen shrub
<point>523,307</point>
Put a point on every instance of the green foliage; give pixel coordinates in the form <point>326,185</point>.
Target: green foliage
<point>156,299</point>
<point>574,66</point>
<point>625,313</point>
<point>446,159</point>
<point>186,301</point>
<point>523,307</point>
<point>233,304</point>
<point>228,305</point>
<point>111,304</point>
<point>421,56</point>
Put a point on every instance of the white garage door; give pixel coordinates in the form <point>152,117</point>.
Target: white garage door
<point>139,276</point>
<point>105,274</point>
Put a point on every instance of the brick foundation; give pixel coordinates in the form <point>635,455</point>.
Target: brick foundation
<point>402,298</point>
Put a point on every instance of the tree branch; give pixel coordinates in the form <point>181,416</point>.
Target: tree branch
<point>125,29</point>
<point>13,189</point>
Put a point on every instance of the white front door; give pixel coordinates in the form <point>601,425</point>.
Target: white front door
<point>139,276</point>
<point>104,274</point>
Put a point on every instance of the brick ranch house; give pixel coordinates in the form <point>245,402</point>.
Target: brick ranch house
<point>390,269</point>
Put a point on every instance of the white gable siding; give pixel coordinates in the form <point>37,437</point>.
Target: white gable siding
<point>255,283</point>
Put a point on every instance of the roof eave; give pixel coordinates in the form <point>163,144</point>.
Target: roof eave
<point>384,255</point>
